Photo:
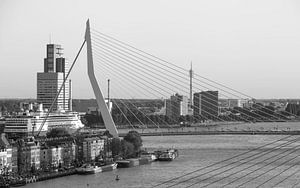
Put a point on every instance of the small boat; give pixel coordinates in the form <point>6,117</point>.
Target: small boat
<point>124,164</point>
<point>93,169</point>
<point>168,155</point>
<point>109,167</point>
<point>18,183</point>
<point>117,178</point>
<point>149,155</point>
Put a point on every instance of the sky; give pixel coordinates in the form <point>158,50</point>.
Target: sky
<point>251,46</point>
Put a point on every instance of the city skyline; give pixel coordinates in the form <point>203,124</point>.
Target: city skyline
<point>249,46</point>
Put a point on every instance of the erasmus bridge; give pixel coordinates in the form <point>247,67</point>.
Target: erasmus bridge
<point>136,72</point>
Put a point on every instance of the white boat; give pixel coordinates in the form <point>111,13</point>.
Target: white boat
<point>31,122</point>
<point>149,155</point>
<point>168,155</point>
<point>93,169</point>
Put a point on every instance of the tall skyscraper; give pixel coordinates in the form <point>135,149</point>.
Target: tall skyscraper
<point>206,104</point>
<point>50,81</point>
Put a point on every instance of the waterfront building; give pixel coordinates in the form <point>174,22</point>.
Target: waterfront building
<point>51,157</point>
<point>28,155</point>
<point>90,149</point>
<point>50,81</point>
<point>58,152</point>
<point>45,158</point>
<point>14,158</point>
<point>69,153</point>
<point>206,104</point>
<point>5,155</point>
<point>176,106</point>
<point>2,125</point>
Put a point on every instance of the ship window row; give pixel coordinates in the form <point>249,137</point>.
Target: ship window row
<point>14,128</point>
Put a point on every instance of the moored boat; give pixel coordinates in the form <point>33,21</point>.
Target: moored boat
<point>93,169</point>
<point>168,155</point>
<point>18,183</point>
<point>149,155</point>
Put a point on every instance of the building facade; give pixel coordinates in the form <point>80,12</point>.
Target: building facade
<point>176,106</point>
<point>5,155</point>
<point>28,155</point>
<point>50,81</point>
<point>58,153</point>
<point>206,104</point>
<point>90,149</point>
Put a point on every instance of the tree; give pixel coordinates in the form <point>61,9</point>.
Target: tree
<point>135,139</point>
<point>58,132</point>
<point>116,147</point>
<point>127,149</point>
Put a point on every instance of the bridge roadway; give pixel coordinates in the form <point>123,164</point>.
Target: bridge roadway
<point>172,133</point>
<point>278,128</point>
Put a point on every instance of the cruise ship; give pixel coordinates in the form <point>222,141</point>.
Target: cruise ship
<point>31,122</point>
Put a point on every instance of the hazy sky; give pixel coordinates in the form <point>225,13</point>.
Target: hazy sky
<point>250,45</point>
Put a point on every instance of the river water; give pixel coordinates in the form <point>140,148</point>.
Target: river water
<point>196,152</point>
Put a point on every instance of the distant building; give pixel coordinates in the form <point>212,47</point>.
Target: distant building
<point>95,110</point>
<point>28,106</point>
<point>58,152</point>
<point>206,104</point>
<point>242,103</point>
<point>232,103</point>
<point>176,106</point>
<point>50,81</point>
<point>28,155</point>
<point>51,157</point>
<point>2,125</point>
<point>5,155</point>
<point>90,148</point>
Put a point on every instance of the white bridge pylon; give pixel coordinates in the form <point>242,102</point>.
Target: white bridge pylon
<point>107,119</point>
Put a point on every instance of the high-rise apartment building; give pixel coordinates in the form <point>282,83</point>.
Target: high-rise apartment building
<point>206,104</point>
<point>50,81</point>
<point>176,106</point>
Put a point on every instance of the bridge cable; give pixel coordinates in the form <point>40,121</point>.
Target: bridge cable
<point>254,155</point>
<point>164,81</point>
<point>154,85</point>
<point>147,61</point>
<point>266,172</point>
<point>244,175</point>
<point>220,162</point>
<point>117,75</point>
<point>99,34</point>
<point>123,114</point>
<point>279,174</point>
<point>140,112</point>
<point>138,109</point>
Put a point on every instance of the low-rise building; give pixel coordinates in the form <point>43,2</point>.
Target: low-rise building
<point>5,155</point>
<point>90,149</point>
<point>28,155</point>
<point>58,152</point>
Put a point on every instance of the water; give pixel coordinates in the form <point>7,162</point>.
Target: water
<point>195,152</point>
